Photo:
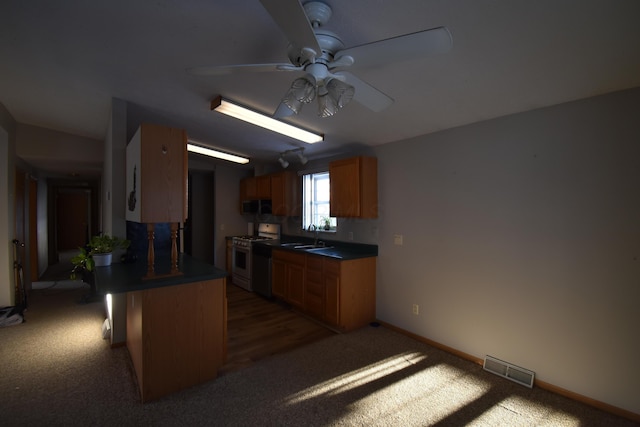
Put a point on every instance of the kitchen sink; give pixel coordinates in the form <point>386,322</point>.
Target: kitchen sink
<point>307,247</point>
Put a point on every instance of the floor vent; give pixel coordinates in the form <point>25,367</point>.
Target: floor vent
<point>509,371</point>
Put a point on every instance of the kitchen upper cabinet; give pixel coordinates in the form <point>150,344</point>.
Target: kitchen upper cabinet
<point>285,194</point>
<point>282,188</point>
<point>354,187</point>
<point>255,188</point>
<point>156,176</point>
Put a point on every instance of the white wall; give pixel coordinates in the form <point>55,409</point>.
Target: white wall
<point>228,220</point>
<point>7,199</point>
<point>113,175</point>
<point>6,224</point>
<point>522,241</point>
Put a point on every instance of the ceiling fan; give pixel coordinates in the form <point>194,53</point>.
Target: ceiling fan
<point>321,55</point>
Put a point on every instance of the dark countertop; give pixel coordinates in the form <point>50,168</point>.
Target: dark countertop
<point>338,250</point>
<point>126,277</point>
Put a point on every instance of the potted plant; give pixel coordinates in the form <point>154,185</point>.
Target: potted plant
<point>82,264</point>
<point>97,253</point>
<point>327,222</point>
<point>101,248</point>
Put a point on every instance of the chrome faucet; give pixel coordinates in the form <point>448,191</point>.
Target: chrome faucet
<point>314,228</point>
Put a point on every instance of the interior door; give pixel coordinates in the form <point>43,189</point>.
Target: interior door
<point>72,213</point>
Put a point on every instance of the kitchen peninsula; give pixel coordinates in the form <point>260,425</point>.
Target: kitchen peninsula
<point>176,329</point>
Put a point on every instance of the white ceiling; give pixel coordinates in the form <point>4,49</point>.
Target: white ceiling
<point>61,62</point>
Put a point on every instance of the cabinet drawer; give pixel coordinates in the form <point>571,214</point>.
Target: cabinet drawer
<point>288,256</point>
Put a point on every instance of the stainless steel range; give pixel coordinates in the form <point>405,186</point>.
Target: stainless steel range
<point>241,256</point>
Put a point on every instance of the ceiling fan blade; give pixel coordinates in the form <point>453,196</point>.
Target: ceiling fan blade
<point>219,70</point>
<point>396,49</point>
<point>292,20</point>
<point>366,94</point>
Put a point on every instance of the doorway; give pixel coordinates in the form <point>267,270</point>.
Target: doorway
<point>73,218</point>
<point>199,228</point>
<point>72,215</point>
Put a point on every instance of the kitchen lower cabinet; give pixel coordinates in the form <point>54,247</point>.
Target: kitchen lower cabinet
<point>314,298</point>
<point>288,275</point>
<point>340,293</point>
<point>176,335</point>
<point>350,292</point>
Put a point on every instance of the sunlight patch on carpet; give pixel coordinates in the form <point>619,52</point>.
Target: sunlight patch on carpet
<point>358,377</point>
<point>524,409</point>
<point>384,390</point>
<point>443,388</point>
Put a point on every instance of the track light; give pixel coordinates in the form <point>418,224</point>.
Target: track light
<point>299,153</point>
<point>239,112</point>
<point>283,162</point>
<point>302,158</point>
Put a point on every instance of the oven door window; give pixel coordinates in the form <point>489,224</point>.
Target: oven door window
<point>240,259</point>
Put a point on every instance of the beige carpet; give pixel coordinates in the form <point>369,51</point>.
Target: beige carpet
<point>57,370</point>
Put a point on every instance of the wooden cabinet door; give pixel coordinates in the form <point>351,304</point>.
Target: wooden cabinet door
<point>285,194</point>
<point>314,287</point>
<point>295,283</point>
<point>354,187</point>
<point>263,187</point>
<point>331,275</point>
<point>248,189</point>
<point>278,283</point>
<point>345,188</point>
<point>278,200</point>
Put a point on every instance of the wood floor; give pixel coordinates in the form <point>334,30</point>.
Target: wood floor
<point>258,328</point>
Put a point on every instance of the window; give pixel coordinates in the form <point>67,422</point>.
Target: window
<point>315,201</point>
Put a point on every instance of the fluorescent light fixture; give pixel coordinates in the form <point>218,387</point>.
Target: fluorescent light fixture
<point>215,153</point>
<point>234,110</point>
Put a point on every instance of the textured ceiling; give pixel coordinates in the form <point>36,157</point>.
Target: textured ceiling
<point>62,62</point>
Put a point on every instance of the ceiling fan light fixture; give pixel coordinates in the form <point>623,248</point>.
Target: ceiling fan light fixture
<point>292,103</point>
<point>340,92</point>
<point>327,106</point>
<point>304,89</point>
<point>242,113</point>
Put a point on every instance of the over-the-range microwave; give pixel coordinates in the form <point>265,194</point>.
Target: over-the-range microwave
<point>256,207</point>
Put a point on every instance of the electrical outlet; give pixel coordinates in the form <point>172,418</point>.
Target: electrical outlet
<point>397,239</point>
<point>350,235</point>
<point>416,309</point>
